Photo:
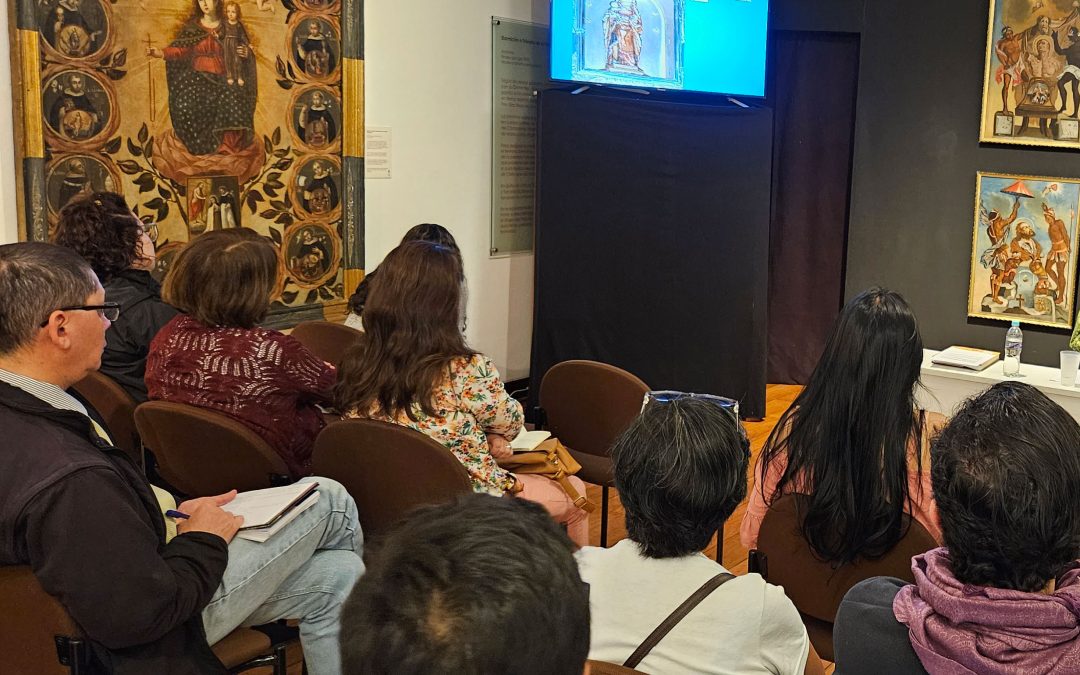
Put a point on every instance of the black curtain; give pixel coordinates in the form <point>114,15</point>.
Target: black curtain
<point>813,88</point>
<point>652,241</point>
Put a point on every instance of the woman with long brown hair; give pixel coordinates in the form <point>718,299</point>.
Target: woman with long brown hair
<point>412,367</point>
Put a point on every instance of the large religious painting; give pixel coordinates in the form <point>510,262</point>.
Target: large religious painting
<point>1031,90</point>
<point>206,115</point>
<point>1023,256</point>
<point>630,42</point>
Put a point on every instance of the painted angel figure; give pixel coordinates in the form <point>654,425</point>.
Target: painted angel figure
<point>623,29</point>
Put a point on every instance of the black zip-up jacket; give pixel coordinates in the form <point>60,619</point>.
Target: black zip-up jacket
<point>81,515</point>
<point>127,342</point>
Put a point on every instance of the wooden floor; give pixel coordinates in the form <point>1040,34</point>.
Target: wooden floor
<point>779,397</point>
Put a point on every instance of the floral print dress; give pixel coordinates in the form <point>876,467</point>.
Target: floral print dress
<point>470,402</point>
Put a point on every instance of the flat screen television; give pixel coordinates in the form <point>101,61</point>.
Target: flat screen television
<point>711,46</point>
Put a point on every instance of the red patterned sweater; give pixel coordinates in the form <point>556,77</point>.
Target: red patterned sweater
<point>262,378</point>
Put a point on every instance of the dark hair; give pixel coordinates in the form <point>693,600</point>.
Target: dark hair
<point>1006,476</point>
<point>482,586</point>
<point>680,469</point>
<point>845,438</point>
<point>101,228</point>
<point>35,280</point>
<point>224,278</point>
<point>411,332</point>
<point>437,234</point>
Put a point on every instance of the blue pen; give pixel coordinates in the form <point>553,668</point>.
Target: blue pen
<point>176,515</point>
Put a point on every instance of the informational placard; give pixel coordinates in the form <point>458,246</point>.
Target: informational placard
<point>378,146</point>
<point>519,69</point>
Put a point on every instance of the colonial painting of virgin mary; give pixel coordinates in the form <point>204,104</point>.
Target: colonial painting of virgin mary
<point>205,115</point>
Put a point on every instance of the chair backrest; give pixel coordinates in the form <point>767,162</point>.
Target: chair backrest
<point>815,586</point>
<point>587,404</point>
<point>388,469</point>
<point>327,340</point>
<point>29,623</point>
<point>201,452</point>
<point>605,668</point>
<point>117,408</point>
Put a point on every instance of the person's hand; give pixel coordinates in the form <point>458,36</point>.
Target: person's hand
<point>154,52</point>
<point>499,446</point>
<point>242,51</point>
<point>208,516</point>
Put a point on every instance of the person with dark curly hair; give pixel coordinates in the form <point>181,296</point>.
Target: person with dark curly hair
<point>1003,595</point>
<point>102,228</point>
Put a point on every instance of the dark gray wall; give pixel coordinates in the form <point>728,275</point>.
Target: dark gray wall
<point>830,16</point>
<point>916,154</point>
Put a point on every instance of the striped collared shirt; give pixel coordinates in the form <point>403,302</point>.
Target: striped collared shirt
<point>49,393</point>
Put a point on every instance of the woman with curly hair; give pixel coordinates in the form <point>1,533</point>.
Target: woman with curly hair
<point>103,229</point>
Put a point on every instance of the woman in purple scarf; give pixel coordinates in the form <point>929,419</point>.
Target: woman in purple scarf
<point>1003,595</point>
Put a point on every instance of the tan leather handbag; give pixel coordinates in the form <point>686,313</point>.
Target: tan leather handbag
<point>551,459</point>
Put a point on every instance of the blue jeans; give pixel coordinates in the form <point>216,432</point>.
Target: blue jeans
<point>303,572</point>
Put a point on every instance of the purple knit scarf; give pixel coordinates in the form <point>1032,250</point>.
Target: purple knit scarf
<point>958,629</point>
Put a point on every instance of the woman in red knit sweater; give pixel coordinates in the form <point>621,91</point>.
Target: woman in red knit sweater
<point>214,355</point>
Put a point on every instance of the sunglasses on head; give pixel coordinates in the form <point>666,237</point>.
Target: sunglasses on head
<point>730,405</point>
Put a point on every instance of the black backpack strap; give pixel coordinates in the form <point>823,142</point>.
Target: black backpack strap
<point>675,617</point>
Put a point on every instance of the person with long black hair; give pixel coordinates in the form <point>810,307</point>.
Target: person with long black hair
<point>854,440</point>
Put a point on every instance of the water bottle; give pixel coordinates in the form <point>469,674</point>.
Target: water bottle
<point>1014,344</point>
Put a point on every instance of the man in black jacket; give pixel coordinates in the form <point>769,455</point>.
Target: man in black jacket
<point>80,514</point>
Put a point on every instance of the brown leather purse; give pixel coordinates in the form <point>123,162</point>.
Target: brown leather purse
<point>551,459</point>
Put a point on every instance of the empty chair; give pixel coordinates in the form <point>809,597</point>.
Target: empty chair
<point>117,407</point>
<point>201,453</point>
<point>388,469</point>
<point>37,635</point>
<point>586,405</point>
<point>815,586</point>
<point>329,341</point>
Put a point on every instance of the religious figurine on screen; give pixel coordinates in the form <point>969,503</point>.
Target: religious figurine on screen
<point>623,30</point>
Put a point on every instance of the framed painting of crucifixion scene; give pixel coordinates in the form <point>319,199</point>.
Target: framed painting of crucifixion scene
<point>205,115</point>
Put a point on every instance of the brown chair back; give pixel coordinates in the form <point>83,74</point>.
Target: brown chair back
<point>388,469</point>
<point>29,624</point>
<point>117,408</point>
<point>327,340</point>
<point>201,452</point>
<point>605,668</point>
<point>816,587</point>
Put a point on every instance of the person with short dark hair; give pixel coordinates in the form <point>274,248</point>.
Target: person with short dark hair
<point>102,228</point>
<point>150,594</point>
<point>215,356</point>
<point>436,234</point>
<point>483,586</point>
<point>1002,595</point>
<point>680,470</point>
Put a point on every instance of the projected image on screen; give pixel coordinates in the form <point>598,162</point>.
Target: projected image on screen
<point>715,46</point>
<point>632,40</point>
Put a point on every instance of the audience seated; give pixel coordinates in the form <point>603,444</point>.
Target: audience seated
<point>79,513</point>
<point>485,586</point>
<point>436,234</point>
<point>412,367</point>
<point>214,355</point>
<point>102,228</point>
<point>854,440</point>
<point>1003,595</point>
<point>680,470</point>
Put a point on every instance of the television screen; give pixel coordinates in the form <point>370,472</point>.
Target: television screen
<point>714,46</point>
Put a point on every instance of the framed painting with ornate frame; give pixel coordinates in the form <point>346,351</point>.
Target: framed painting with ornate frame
<point>1023,249</point>
<point>1031,84</point>
<point>204,114</point>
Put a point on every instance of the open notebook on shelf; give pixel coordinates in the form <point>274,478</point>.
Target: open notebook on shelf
<point>965,357</point>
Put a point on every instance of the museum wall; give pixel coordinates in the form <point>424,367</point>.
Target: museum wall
<point>830,16</point>
<point>428,78</point>
<point>9,226</point>
<point>916,155</point>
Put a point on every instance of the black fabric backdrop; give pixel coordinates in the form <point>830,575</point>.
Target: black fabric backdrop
<point>815,119</point>
<point>652,241</point>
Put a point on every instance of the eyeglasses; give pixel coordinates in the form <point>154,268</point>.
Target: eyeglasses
<point>109,310</point>
<point>730,405</point>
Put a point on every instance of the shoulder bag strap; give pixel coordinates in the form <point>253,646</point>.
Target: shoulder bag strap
<point>675,617</point>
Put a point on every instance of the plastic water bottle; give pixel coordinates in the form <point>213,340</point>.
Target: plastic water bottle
<point>1014,344</point>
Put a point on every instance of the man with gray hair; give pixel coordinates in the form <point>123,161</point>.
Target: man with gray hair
<point>149,595</point>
